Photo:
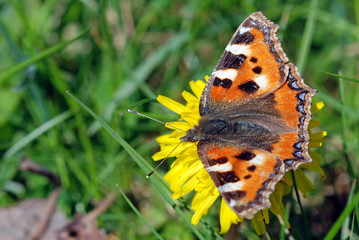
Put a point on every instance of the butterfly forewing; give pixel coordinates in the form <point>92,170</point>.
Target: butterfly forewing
<point>251,66</point>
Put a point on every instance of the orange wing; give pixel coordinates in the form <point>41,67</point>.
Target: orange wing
<point>244,177</point>
<point>252,65</point>
<point>293,102</point>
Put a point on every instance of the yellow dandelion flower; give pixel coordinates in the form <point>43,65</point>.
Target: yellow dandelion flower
<point>187,173</point>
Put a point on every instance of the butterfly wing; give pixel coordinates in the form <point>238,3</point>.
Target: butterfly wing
<point>293,102</point>
<point>245,177</point>
<point>252,65</point>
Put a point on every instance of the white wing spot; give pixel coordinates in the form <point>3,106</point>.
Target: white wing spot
<point>228,73</point>
<point>237,49</point>
<point>253,22</point>
<point>230,187</point>
<point>261,81</point>
<point>225,167</point>
<point>244,29</point>
<point>257,160</point>
<point>232,203</point>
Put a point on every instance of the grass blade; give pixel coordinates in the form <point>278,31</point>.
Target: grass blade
<point>37,132</point>
<point>304,217</point>
<point>344,126</point>
<point>346,212</point>
<point>141,162</point>
<point>345,227</point>
<point>141,73</point>
<point>38,57</point>
<point>307,36</point>
<point>342,77</point>
<point>283,228</point>
<point>140,215</point>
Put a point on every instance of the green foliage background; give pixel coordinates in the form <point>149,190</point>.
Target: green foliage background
<point>133,51</point>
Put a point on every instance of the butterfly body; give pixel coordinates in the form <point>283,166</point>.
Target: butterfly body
<point>255,111</point>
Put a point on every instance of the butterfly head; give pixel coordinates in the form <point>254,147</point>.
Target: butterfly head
<point>207,129</point>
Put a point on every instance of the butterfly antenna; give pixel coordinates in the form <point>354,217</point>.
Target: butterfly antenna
<point>163,160</point>
<point>142,115</point>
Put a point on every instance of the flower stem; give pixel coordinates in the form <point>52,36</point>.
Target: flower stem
<point>304,217</point>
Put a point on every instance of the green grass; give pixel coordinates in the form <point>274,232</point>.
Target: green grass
<point>115,55</point>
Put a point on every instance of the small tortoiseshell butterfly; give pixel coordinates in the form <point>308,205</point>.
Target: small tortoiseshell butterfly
<point>255,111</point>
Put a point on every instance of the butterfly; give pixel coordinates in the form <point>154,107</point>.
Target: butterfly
<point>255,111</point>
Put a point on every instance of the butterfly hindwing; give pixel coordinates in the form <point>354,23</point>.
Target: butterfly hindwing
<point>244,177</point>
